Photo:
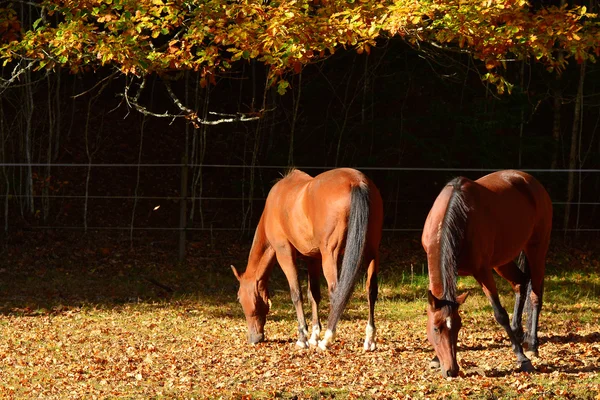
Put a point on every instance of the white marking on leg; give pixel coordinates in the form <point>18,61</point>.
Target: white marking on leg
<point>327,339</point>
<point>303,344</point>
<point>370,338</point>
<point>314,338</point>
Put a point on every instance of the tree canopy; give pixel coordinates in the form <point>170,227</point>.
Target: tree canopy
<point>161,36</point>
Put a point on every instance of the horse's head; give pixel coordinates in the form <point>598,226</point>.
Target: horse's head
<point>443,324</point>
<point>254,298</point>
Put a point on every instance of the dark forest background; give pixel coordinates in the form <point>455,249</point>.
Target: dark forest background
<point>398,107</point>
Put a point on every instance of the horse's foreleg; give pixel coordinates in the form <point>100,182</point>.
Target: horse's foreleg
<point>489,288</point>
<point>314,296</point>
<point>286,259</point>
<point>372,290</point>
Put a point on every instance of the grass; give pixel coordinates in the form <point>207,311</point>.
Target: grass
<point>136,325</point>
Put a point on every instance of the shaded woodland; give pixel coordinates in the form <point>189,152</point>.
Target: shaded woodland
<point>399,112</point>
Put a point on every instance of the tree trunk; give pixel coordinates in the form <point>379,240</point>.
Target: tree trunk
<point>556,106</point>
<point>573,153</point>
<point>198,152</point>
<point>294,121</point>
<point>51,126</point>
<point>4,160</point>
<point>29,141</point>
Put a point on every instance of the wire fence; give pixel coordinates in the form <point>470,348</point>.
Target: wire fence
<point>177,199</point>
<point>286,167</point>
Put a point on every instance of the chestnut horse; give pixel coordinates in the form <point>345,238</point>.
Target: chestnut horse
<point>337,212</point>
<point>474,228</point>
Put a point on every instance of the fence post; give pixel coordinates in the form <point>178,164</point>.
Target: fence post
<point>183,208</point>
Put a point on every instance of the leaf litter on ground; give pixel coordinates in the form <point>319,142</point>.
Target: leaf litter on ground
<point>101,330</point>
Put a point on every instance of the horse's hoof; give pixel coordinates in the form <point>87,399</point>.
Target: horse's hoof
<point>327,339</point>
<point>301,344</point>
<point>434,363</point>
<point>526,366</point>
<point>313,342</point>
<point>369,345</point>
<point>532,354</point>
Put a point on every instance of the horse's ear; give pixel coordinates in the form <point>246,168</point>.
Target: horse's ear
<point>433,301</point>
<point>235,272</point>
<point>461,298</point>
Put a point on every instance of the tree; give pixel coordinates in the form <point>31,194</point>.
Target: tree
<point>155,36</point>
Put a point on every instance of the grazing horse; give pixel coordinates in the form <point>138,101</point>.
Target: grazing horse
<point>473,228</point>
<point>337,212</point>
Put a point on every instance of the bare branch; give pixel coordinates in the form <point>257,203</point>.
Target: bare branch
<point>96,85</point>
<point>17,71</point>
<point>177,102</point>
<point>188,113</point>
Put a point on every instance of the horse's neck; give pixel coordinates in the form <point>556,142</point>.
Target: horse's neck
<point>261,255</point>
<point>436,278</point>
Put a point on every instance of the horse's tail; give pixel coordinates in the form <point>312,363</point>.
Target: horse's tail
<point>358,222</point>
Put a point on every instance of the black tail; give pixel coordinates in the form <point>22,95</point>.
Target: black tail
<point>358,222</point>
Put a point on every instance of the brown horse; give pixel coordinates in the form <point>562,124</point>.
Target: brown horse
<point>337,212</point>
<point>473,228</point>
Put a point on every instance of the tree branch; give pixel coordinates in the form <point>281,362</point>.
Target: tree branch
<point>188,113</point>
<point>17,71</point>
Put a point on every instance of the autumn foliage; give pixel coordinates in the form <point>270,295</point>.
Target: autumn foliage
<point>156,36</point>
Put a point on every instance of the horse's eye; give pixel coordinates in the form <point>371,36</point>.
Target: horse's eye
<point>436,330</point>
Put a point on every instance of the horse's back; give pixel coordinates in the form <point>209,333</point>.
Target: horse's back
<point>307,211</point>
<point>518,212</point>
<point>516,191</point>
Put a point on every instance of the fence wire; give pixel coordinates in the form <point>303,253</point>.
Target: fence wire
<point>246,199</point>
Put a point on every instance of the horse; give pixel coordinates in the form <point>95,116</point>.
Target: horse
<point>338,212</point>
<point>474,228</point>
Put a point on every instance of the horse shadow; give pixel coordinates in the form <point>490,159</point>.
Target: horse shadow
<point>542,366</point>
<point>572,338</point>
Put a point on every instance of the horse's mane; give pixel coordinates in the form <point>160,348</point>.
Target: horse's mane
<point>452,236</point>
<point>285,174</point>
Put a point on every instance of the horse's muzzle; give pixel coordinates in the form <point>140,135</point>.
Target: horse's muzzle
<point>254,338</point>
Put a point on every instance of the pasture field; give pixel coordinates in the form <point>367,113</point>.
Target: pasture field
<point>90,318</point>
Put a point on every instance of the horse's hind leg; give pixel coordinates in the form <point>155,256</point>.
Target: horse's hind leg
<point>314,296</point>
<point>519,280</point>
<point>330,271</point>
<point>372,290</point>
<point>286,257</point>
<point>486,280</point>
<point>536,255</point>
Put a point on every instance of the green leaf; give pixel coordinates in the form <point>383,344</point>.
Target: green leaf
<point>36,23</point>
<point>282,87</point>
